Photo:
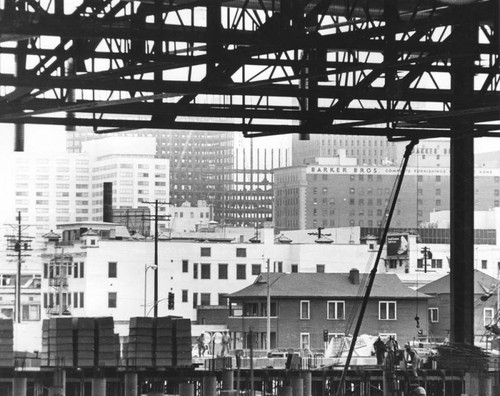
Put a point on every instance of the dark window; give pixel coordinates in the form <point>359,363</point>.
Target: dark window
<point>82,300</point>
<point>241,272</point>
<point>112,300</point>
<point>75,272</point>
<point>256,269</point>
<point>112,269</point>
<point>45,270</point>
<point>184,296</point>
<point>185,265</point>
<point>222,271</point>
<point>195,270</point>
<point>45,300</point>
<point>241,252</point>
<point>484,264</point>
<point>205,271</point>
<point>223,299</point>
<point>81,269</point>
<point>206,252</point>
<point>320,268</point>
<point>75,300</point>
<point>278,266</point>
<point>295,268</point>
<point>195,300</point>
<point>205,298</point>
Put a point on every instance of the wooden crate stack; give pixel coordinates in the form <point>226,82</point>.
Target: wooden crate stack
<point>60,352</point>
<point>164,348</point>
<point>79,342</point>
<point>106,342</point>
<point>182,342</point>
<point>6,343</point>
<point>140,342</point>
<point>84,329</point>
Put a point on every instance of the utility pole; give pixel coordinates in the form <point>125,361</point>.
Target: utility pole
<point>19,244</point>
<point>268,334</point>
<point>157,204</point>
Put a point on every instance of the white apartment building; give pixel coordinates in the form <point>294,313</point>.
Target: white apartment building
<point>49,189</point>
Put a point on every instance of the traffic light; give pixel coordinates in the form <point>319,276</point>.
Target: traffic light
<point>325,335</point>
<point>171,297</point>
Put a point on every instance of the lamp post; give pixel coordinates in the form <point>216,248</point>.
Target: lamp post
<point>146,267</point>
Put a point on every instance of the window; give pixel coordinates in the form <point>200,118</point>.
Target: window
<point>112,269</point>
<point>81,269</point>
<point>205,271</point>
<point>241,252</point>
<point>82,300</point>
<point>205,298</point>
<point>320,268</point>
<point>484,264</point>
<point>184,296</point>
<point>195,270</point>
<point>185,265</point>
<point>256,269</point>
<point>112,300</point>
<point>241,272</point>
<point>304,310</point>
<point>336,310</point>
<point>488,314</point>
<point>222,271</point>
<point>31,312</point>
<point>305,340</point>
<point>223,300</point>
<point>205,252</point>
<point>195,300</point>
<point>75,300</point>
<point>433,315</point>
<point>278,266</point>
<point>295,268</point>
<point>387,310</point>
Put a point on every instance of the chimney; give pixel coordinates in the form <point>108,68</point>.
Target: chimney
<point>107,202</point>
<point>354,276</point>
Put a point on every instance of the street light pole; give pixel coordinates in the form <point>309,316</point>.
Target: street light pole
<point>146,267</point>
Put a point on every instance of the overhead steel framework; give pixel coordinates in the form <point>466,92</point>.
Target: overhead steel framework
<point>405,69</point>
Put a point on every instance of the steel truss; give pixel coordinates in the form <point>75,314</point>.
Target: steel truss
<point>261,67</point>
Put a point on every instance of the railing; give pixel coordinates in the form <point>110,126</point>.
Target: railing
<point>58,282</point>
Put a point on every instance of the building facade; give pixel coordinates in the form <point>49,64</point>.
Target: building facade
<point>306,306</point>
<point>58,188</point>
<point>336,193</point>
<point>485,307</point>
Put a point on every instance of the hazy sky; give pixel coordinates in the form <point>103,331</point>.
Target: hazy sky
<point>51,138</point>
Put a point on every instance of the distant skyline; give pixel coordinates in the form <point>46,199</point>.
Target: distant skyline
<point>48,138</point>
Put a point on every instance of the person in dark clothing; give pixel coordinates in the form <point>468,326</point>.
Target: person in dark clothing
<point>380,349</point>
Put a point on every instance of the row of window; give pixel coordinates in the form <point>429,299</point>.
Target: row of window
<point>58,269</point>
<point>387,310</point>
<point>67,300</point>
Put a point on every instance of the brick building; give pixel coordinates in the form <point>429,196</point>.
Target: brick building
<point>304,305</point>
<point>485,306</point>
<point>335,192</point>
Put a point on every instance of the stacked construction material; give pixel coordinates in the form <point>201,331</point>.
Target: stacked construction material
<point>158,342</point>
<point>106,342</point>
<point>6,343</point>
<point>140,343</point>
<point>79,342</point>
<point>182,342</point>
<point>60,345</point>
<point>164,347</point>
<point>84,331</point>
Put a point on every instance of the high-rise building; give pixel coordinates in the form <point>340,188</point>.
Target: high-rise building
<point>48,189</point>
<point>233,175</point>
<point>333,192</point>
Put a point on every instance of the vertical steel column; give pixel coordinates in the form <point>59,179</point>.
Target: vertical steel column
<point>213,30</point>
<point>462,187</point>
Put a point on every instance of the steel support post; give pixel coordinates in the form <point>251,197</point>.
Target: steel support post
<point>462,191</point>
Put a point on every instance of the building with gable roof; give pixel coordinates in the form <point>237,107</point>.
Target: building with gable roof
<point>485,306</point>
<point>305,305</point>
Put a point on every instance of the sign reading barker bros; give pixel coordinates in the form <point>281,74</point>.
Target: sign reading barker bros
<point>397,246</point>
<point>390,170</point>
